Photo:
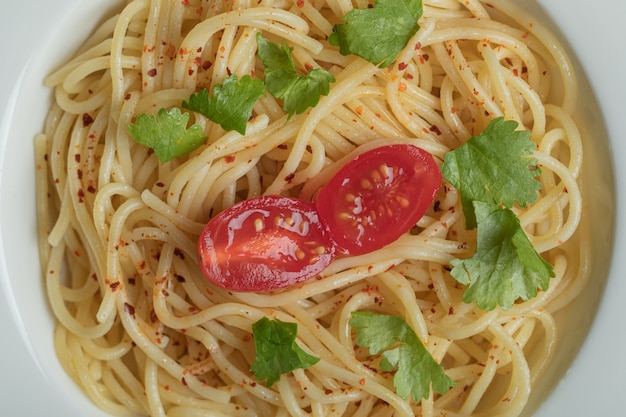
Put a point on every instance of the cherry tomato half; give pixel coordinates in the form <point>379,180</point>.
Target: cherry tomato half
<point>264,243</point>
<point>378,196</point>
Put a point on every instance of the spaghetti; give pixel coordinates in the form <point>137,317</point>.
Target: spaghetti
<point>143,332</point>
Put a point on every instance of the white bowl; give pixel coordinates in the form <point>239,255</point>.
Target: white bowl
<point>36,36</point>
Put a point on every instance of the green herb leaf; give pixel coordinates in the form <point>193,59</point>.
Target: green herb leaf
<point>378,34</point>
<point>505,266</point>
<point>402,353</point>
<point>231,102</point>
<point>298,92</point>
<point>494,167</point>
<point>277,351</point>
<point>167,133</point>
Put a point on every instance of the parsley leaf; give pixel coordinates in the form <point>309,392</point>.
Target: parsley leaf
<point>378,34</point>
<point>277,351</point>
<point>167,133</point>
<point>505,266</point>
<point>493,167</point>
<point>490,171</point>
<point>298,92</point>
<point>402,353</point>
<point>231,102</point>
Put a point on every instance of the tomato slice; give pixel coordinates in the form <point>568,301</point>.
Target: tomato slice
<point>378,196</point>
<point>264,243</point>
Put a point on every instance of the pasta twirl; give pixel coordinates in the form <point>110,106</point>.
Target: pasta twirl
<point>142,331</point>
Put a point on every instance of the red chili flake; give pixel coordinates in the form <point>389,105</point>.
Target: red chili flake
<point>206,65</point>
<point>179,253</point>
<point>87,119</point>
<point>309,149</point>
<point>185,2</point>
<point>160,184</point>
<point>183,381</point>
<point>114,286</point>
<point>435,129</point>
<point>308,67</point>
<point>525,35</point>
<point>152,72</point>
<point>81,195</point>
<point>153,316</point>
<point>190,71</point>
<point>198,61</point>
<point>132,281</point>
<point>290,177</point>
<point>230,159</point>
<point>300,3</point>
<point>228,71</point>
<point>282,146</point>
<point>129,309</point>
<point>79,174</point>
<point>418,46</point>
<point>91,189</point>
<point>77,157</point>
<point>180,278</point>
<point>402,66</point>
<point>451,311</point>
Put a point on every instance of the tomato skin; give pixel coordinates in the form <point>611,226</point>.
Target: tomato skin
<point>378,196</point>
<point>263,244</point>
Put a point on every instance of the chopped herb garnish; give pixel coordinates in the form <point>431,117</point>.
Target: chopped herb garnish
<point>230,104</point>
<point>298,92</point>
<point>505,266</point>
<point>378,34</point>
<point>277,351</point>
<point>167,133</point>
<point>494,167</point>
<point>402,353</point>
<point>492,172</point>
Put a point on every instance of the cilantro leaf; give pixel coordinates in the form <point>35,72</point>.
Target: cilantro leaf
<point>167,133</point>
<point>298,92</point>
<point>505,266</point>
<point>402,352</point>
<point>378,34</point>
<point>231,102</point>
<point>493,167</point>
<point>277,351</point>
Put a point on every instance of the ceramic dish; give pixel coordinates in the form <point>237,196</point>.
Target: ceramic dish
<point>586,377</point>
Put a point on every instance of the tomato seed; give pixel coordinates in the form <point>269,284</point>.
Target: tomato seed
<point>259,225</point>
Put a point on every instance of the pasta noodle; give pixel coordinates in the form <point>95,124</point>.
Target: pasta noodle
<point>144,333</point>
